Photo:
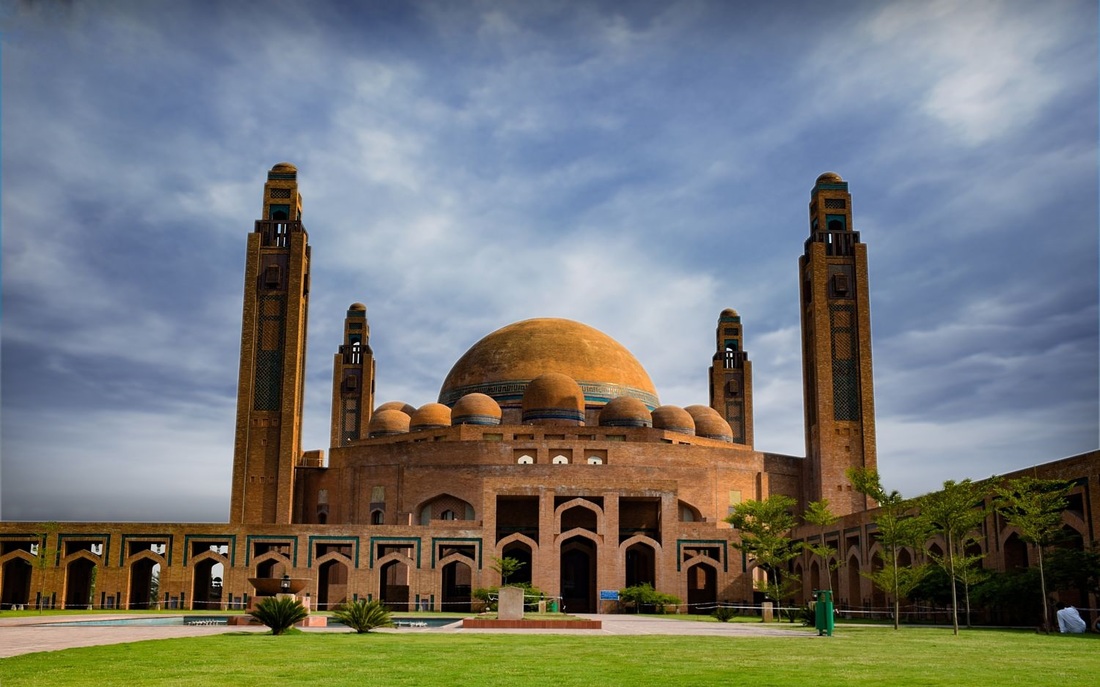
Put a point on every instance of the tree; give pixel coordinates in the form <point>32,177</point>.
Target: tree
<point>1034,507</point>
<point>818,513</point>
<point>363,616</point>
<point>765,527</point>
<point>897,528</point>
<point>506,567</point>
<point>955,511</point>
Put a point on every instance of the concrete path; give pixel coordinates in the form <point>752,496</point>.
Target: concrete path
<point>30,634</point>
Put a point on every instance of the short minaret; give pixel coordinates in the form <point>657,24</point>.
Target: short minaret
<point>836,349</point>
<point>271,385</point>
<point>353,380</point>
<point>731,377</point>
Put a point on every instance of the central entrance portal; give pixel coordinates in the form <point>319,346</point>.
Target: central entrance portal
<point>578,575</point>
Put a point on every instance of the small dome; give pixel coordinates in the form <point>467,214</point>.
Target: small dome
<point>674,419</point>
<point>625,411</point>
<point>431,416</point>
<point>728,312</point>
<point>476,409</point>
<point>709,423</point>
<point>358,307</point>
<point>396,405</point>
<point>553,399</point>
<point>388,422</point>
<point>284,167</point>
<point>829,178</point>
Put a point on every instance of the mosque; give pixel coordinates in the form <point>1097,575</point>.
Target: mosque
<point>547,444</point>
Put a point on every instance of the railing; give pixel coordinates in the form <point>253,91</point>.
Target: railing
<point>837,243</point>
<point>276,233</point>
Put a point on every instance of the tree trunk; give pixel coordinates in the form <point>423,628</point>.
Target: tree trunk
<point>1043,587</point>
<point>954,593</point>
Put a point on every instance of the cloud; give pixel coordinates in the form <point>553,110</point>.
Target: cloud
<point>638,168</point>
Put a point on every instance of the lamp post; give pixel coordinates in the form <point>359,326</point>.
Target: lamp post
<point>284,584</point>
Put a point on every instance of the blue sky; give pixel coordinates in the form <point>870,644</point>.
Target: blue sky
<point>634,166</point>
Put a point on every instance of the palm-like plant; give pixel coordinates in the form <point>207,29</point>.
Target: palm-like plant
<point>363,616</point>
<point>279,613</point>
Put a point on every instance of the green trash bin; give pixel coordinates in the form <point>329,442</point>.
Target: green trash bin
<point>823,612</point>
<point>553,605</point>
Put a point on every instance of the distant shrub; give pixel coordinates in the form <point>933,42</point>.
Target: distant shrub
<point>724,613</point>
<point>645,599</point>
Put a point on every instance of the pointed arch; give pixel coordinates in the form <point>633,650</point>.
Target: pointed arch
<point>206,583</point>
<point>439,506</point>
<point>77,590</point>
<point>333,570</point>
<point>271,565</point>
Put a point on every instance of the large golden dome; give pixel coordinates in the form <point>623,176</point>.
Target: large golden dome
<point>504,362</point>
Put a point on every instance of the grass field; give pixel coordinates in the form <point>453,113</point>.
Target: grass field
<point>855,656</point>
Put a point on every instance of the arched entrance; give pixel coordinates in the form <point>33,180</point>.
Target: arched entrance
<point>456,587</point>
<point>206,583</point>
<point>332,584</point>
<point>144,584</point>
<point>17,583</point>
<point>641,565</point>
<point>78,583</point>
<point>578,575</point>
<point>522,553</point>
<point>393,586</point>
<point>702,588</point>
<point>855,598</point>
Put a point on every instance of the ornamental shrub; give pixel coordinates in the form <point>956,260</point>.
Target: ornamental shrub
<point>363,616</point>
<point>279,613</point>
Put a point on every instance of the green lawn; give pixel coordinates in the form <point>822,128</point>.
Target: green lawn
<point>855,656</point>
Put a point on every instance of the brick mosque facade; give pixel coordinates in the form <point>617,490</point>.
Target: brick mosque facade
<point>547,444</point>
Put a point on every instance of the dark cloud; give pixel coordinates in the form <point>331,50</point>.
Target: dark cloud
<point>638,168</point>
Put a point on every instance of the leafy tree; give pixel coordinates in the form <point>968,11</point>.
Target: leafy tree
<point>363,616</point>
<point>765,528</point>
<point>1034,507</point>
<point>279,613</point>
<point>954,512</point>
<point>818,513</point>
<point>897,529</point>
<point>1077,569</point>
<point>506,567</point>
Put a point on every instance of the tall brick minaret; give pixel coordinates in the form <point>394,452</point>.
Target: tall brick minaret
<point>731,377</point>
<point>271,385</point>
<point>353,380</point>
<point>836,349</point>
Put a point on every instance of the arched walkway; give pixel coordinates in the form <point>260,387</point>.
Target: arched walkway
<point>456,589</point>
<point>332,581</point>
<point>207,571</point>
<point>17,582</point>
<point>78,581</point>
<point>144,588</point>
<point>393,582</point>
<point>702,586</point>
<point>578,575</point>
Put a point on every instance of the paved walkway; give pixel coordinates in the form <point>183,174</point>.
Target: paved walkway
<point>30,634</point>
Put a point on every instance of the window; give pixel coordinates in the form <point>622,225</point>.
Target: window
<point>560,460</point>
<point>525,460</point>
<point>595,460</point>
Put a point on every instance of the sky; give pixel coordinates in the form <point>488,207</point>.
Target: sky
<point>636,166</point>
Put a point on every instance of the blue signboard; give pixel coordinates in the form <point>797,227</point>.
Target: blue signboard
<point>609,595</point>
